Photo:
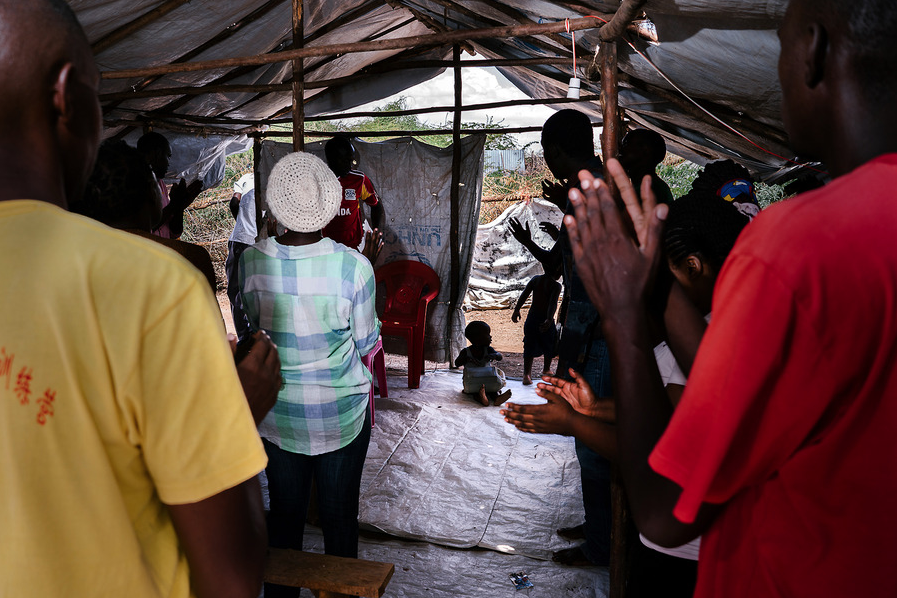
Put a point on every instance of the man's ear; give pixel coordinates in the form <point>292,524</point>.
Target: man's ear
<point>63,96</point>
<point>817,52</point>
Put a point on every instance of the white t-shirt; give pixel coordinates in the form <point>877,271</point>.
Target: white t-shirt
<point>245,230</point>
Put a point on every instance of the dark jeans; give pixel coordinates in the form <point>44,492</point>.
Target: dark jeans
<point>595,468</point>
<point>338,478</point>
<point>231,267</point>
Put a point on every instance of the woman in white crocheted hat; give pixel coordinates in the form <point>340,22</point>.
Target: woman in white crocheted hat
<point>315,298</point>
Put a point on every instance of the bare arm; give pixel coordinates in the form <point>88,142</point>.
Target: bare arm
<point>225,541</point>
<point>377,214</point>
<point>234,204</point>
<point>685,327</point>
<point>619,283</point>
<point>461,360</point>
<point>549,258</point>
<point>522,299</point>
<point>181,196</point>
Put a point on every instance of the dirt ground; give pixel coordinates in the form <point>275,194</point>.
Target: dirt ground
<point>507,338</point>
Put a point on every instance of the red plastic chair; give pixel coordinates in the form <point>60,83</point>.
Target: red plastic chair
<point>376,364</point>
<point>410,287</point>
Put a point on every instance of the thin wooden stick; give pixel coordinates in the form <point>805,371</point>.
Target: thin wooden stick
<point>117,35</point>
<point>276,87</point>
<point>378,45</point>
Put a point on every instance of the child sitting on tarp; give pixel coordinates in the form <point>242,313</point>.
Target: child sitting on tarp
<point>539,331</point>
<point>482,379</point>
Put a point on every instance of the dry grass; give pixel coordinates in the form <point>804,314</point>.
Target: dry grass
<point>208,222</point>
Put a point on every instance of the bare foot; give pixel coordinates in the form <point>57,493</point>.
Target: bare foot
<point>481,396</point>
<point>527,380</point>
<point>499,399</point>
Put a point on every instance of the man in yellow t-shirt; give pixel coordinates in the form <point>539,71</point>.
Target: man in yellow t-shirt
<point>121,473</point>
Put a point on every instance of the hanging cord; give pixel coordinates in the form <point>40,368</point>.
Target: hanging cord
<point>573,36</point>
<point>701,108</point>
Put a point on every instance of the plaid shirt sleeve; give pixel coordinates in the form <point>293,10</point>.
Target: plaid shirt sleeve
<point>365,324</point>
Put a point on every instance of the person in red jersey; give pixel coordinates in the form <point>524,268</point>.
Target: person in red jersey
<point>346,227</point>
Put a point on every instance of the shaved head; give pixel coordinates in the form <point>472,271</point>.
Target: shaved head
<point>48,101</point>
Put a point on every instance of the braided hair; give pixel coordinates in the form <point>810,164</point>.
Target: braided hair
<point>702,223</point>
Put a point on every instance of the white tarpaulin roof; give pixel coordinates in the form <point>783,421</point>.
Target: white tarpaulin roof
<point>720,53</point>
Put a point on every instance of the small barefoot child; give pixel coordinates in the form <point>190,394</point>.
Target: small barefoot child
<point>482,379</point>
<point>539,332</point>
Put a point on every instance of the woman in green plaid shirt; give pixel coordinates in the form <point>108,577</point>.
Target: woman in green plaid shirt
<point>315,299</point>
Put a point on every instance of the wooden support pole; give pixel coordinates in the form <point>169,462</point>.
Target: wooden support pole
<point>434,39</point>
<point>298,80</point>
<point>610,108</point>
<point>455,227</point>
<point>610,142</point>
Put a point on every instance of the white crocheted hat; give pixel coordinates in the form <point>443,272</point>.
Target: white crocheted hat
<point>303,193</point>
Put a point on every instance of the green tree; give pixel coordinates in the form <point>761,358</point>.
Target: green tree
<point>391,122</point>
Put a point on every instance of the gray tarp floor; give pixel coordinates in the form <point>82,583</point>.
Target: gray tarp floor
<point>465,498</point>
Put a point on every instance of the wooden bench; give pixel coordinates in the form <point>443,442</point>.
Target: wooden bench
<point>327,576</point>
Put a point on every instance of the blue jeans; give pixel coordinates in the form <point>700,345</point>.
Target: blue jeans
<point>338,478</point>
<point>595,468</point>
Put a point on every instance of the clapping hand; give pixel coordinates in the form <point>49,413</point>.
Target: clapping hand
<point>553,417</point>
<point>617,271</point>
<point>580,395</point>
<point>373,245</point>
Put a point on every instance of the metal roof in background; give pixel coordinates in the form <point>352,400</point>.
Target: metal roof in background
<point>708,83</point>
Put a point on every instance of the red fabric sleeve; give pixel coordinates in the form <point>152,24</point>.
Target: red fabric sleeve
<point>751,399</point>
<point>368,194</point>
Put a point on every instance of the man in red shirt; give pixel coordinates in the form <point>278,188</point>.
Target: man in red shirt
<point>346,227</point>
<point>782,449</point>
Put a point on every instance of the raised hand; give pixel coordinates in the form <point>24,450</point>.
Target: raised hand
<point>521,232</point>
<point>182,195</point>
<point>373,245</point>
<point>617,270</point>
<point>556,193</point>
<point>550,229</point>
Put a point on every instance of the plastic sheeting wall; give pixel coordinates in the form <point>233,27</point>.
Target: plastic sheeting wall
<point>413,179</point>
<point>501,265</point>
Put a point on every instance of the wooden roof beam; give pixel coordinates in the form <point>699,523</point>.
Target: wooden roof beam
<point>434,39</point>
